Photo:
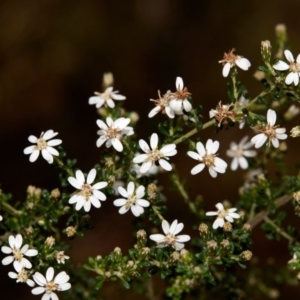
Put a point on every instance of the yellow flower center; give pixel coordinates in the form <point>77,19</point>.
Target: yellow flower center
<point>131,200</point>
<point>86,191</point>
<point>41,144</point>
<point>17,253</point>
<point>50,287</point>
<point>294,67</point>
<point>209,159</point>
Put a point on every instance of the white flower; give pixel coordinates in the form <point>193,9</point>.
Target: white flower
<point>227,214</point>
<point>49,285</point>
<point>170,238</point>
<point>208,157</point>
<point>107,97</point>
<point>154,154</point>
<point>293,67</point>
<point>179,100</point>
<point>231,60</point>
<point>223,114</point>
<point>21,276</point>
<point>136,168</point>
<point>269,132</point>
<point>238,152</point>
<point>17,252</point>
<point>1,218</point>
<point>61,257</point>
<point>113,132</point>
<point>42,144</point>
<point>133,199</point>
<point>163,105</point>
<point>88,194</point>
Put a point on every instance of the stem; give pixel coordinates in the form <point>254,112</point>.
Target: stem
<point>11,210</point>
<point>157,212</point>
<point>61,165</point>
<point>193,131</point>
<point>264,213</point>
<point>279,230</point>
<point>235,92</point>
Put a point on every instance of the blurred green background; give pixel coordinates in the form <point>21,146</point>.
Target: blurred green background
<point>52,58</point>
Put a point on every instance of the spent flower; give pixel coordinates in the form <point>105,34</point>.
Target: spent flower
<point>231,60</point>
<point>269,132</point>
<point>163,105</point>
<point>107,97</point>
<point>293,67</point>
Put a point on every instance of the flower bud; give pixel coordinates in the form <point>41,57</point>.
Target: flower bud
<point>266,50</point>
<point>108,80</point>
<point>50,241</point>
<point>295,132</point>
<point>246,255</point>
<point>70,231</point>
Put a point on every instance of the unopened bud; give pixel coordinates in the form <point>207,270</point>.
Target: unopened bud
<point>203,228</point>
<point>246,255</point>
<point>108,80</point>
<point>296,196</point>
<point>227,227</point>
<point>212,244</point>
<point>55,194</point>
<point>266,50</point>
<point>295,132</point>
<point>70,231</point>
<point>50,241</point>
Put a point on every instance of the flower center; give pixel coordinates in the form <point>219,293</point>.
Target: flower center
<point>181,94</point>
<point>162,101</point>
<point>239,152</point>
<point>18,255</point>
<point>294,67</point>
<point>112,132</point>
<point>222,214</point>
<point>155,155</point>
<point>229,58</point>
<point>86,191</point>
<point>50,287</point>
<point>130,201</point>
<point>23,276</point>
<point>269,131</point>
<point>41,144</point>
<point>170,239</point>
<point>105,96</point>
<point>209,159</point>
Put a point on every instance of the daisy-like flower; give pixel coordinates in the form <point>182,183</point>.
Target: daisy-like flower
<point>21,275</point>
<point>18,252</point>
<point>49,286</point>
<point>106,97</point>
<point>227,214</point>
<point>170,238</point>
<point>163,105</point>
<point>238,152</point>
<point>269,132</point>
<point>231,60</point>
<point>113,132</point>
<point>153,155</point>
<point>222,114</point>
<point>133,199</point>
<point>42,144</point>
<point>179,100</point>
<point>61,257</point>
<point>208,157</point>
<point>88,194</point>
<point>293,67</point>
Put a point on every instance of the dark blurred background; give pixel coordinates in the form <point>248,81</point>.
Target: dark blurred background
<point>52,58</point>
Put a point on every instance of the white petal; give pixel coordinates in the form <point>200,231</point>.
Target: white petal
<point>296,79</point>
<point>32,139</point>
<point>29,150</point>
<point>6,250</point>
<point>7,260</point>
<point>145,167</point>
<point>143,202</point>
<point>290,78</point>
<point>243,63</point>
<point>275,142</point>
<point>157,237</point>
<point>87,205</point>
<point>165,227</point>
<point>95,201</point>
<point>187,105</point>
<point>130,188</point>
<point>136,210</point>
<point>250,153</point>
<point>94,100</point>
<point>99,195</point>
<point>243,162</point>
<point>168,148</point>
<point>64,286</point>
<point>34,155</point>
<point>49,274</point>
<point>144,146</point>
<point>220,163</point>
<point>179,83</point>
<point>31,252</point>
<point>212,172</point>
<point>122,192</point>
<point>18,241</point>
<point>165,165</point>
<point>226,69</point>
<point>74,182</point>
<point>49,134</point>
<point>140,192</point>
<point>197,169</point>
<point>219,222</point>
<point>80,202</point>
<point>289,56</point>
<point>281,66</point>
<point>110,103</point>
<point>200,148</point>
<point>154,141</point>
<point>170,112</point>
<point>194,155</point>
<point>179,228</point>
<point>101,124</point>
<point>123,210</point>
<point>117,144</point>
<point>101,141</point>
<point>73,199</point>
<point>120,202</point>
<point>39,278</point>
<point>52,151</point>
<point>211,213</point>
<point>91,176</point>
<point>54,142</point>
<point>234,164</point>
<point>183,238</point>
<point>80,177</point>
<point>258,140</point>
<point>173,227</point>
<point>38,290</point>
<point>154,111</point>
